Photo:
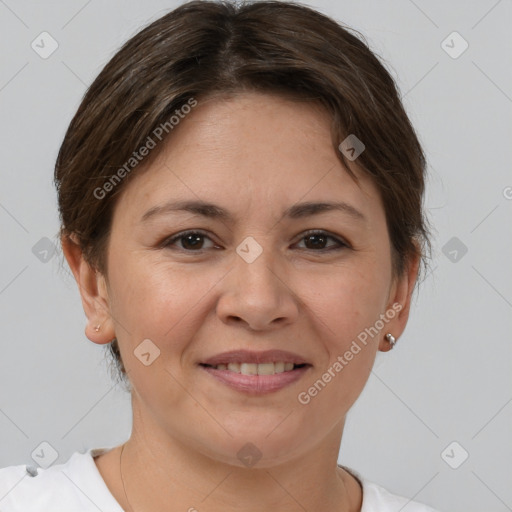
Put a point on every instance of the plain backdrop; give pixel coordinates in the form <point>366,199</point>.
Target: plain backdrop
<point>434,420</point>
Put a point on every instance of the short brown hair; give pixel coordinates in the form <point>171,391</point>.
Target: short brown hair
<point>204,49</point>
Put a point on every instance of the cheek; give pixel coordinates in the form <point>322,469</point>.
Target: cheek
<point>155,302</point>
<point>156,297</point>
<point>351,301</point>
<point>348,314</point>
<point>166,304</point>
<point>345,317</point>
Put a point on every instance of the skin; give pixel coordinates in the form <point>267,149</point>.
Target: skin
<point>254,155</point>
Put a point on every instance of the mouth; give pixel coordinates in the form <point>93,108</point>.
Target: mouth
<point>269,368</point>
<point>256,373</point>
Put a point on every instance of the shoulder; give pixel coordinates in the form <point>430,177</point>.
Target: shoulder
<point>27,488</point>
<point>75,485</point>
<point>378,499</point>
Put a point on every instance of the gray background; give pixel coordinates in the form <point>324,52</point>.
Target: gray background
<point>449,378</point>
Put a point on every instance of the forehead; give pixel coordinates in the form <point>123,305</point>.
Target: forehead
<point>249,152</point>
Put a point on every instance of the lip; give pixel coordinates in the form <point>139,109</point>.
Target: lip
<point>256,384</point>
<point>250,356</point>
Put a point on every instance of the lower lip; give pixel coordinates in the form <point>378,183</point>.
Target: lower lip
<point>257,384</point>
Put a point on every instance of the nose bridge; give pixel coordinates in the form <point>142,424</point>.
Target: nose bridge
<point>257,292</point>
<point>257,266</point>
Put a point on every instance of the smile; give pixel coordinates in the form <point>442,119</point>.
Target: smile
<point>256,379</point>
<point>257,369</point>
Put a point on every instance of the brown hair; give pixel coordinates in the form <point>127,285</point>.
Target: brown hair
<point>205,49</point>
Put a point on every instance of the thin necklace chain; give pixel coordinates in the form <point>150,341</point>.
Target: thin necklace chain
<point>122,479</point>
<point>130,505</point>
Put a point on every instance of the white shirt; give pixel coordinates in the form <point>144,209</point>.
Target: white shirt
<point>77,486</point>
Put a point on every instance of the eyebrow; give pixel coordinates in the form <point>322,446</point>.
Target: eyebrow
<point>213,211</point>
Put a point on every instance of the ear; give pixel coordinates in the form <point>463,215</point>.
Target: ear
<point>93,290</point>
<point>400,300</point>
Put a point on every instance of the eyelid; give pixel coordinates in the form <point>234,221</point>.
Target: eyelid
<point>340,241</point>
<point>169,241</point>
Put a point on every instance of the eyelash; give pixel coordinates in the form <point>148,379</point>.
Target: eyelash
<point>341,244</point>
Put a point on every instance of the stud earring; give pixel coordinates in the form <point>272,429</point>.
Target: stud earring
<point>390,339</point>
<point>97,328</point>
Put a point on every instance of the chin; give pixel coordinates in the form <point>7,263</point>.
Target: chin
<point>257,448</point>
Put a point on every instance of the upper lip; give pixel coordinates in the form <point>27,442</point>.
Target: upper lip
<point>249,356</point>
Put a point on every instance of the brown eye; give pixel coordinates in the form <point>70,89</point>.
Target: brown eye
<point>193,241</point>
<point>318,240</point>
<point>190,241</point>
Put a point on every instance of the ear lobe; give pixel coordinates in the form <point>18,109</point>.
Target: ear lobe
<point>93,291</point>
<point>401,295</point>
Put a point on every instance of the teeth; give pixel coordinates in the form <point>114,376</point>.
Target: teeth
<point>256,369</point>
<point>279,367</point>
<point>265,368</point>
<point>249,369</point>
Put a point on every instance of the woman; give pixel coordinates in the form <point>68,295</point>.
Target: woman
<point>241,202</point>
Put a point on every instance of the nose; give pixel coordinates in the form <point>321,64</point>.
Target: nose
<point>258,294</point>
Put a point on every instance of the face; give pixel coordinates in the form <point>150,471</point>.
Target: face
<point>270,274</point>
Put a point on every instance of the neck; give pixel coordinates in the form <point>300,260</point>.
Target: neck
<point>156,470</point>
